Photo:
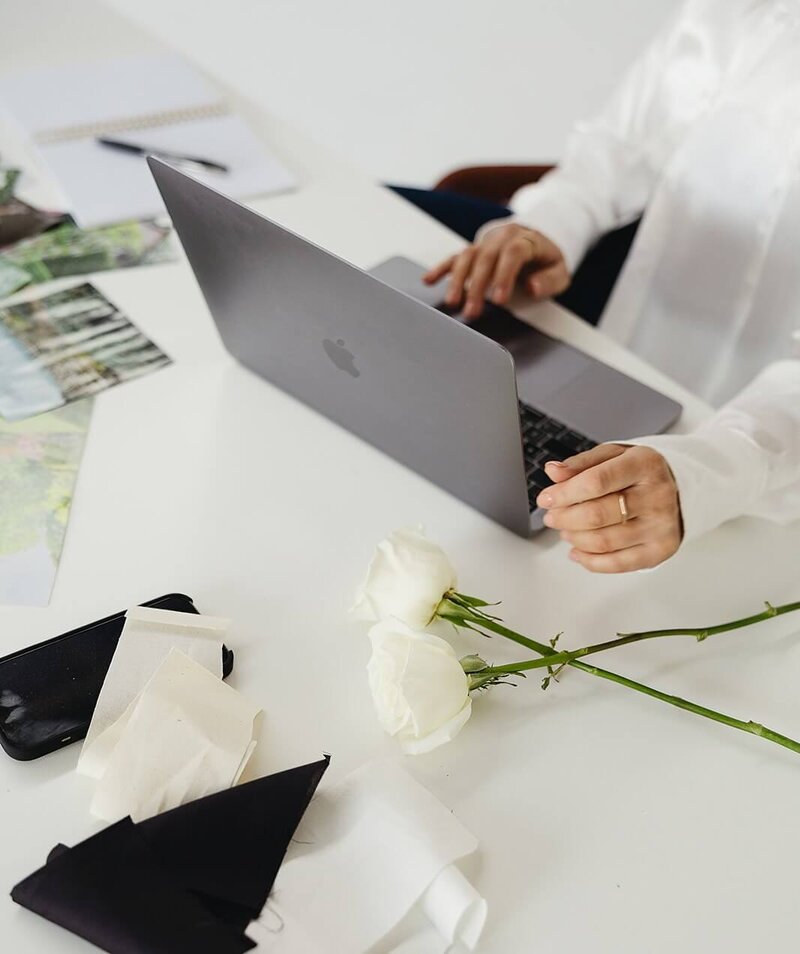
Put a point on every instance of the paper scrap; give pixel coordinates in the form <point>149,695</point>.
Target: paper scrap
<point>186,735</point>
<point>378,841</point>
<point>39,460</point>
<point>145,642</point>
<point>455,908</point>
<point>67,346</point>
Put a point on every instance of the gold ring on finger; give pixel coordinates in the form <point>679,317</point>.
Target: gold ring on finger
<point>623,508</point>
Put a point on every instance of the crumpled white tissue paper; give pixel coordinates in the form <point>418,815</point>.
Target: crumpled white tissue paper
<point>186,735</point>
<point>166,728</point>
<point>145,642</point>
<point>368,850</point>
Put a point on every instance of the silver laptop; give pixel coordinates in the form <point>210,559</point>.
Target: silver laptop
<point>476,408</point>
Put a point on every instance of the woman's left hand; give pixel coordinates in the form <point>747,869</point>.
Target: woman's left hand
<point>617,505</point>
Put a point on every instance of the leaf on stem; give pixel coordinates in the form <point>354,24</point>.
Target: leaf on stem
<point>474,601</point>
<point>471,605</point>
<point>467,625</point>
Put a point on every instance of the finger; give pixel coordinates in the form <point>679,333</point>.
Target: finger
<point>609,539</point>
<point>458,274</point>
<point>558,471</point>
<point>638,557</point>
<point>580,462</point>
<point>511,260</point>
<point>479,278</point>
<point>611,476</point>
<point>595,514</point>
<point>549,281</point>
<point>438,271</point>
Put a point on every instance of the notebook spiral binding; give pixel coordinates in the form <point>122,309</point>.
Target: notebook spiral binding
<point>169,117</point>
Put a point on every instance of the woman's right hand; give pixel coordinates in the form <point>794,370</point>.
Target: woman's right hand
<point>491,267</point>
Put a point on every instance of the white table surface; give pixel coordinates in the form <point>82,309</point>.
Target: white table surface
<point>608,822</point>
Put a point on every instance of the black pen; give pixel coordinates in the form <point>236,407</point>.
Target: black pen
<point>161,153</point>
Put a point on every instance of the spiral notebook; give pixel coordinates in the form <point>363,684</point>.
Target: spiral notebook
<point>158,101</point>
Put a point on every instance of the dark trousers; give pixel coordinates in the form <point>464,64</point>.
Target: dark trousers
<point>594,278</point>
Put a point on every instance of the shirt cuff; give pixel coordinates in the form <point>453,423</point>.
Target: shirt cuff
<point>719,472</point>
<point>552,208</point>
<point>548,226</point>
<point>487,227</point>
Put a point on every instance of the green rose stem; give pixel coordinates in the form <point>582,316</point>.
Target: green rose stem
<point>754,728</point>
<point>567,656</point>
<point>465,611</point>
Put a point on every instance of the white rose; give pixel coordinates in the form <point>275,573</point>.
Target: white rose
<point>419,688</point>
<point>406,580</point>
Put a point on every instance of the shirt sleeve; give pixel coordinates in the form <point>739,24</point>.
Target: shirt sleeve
<point>612,163</point>
<point>745,460</point>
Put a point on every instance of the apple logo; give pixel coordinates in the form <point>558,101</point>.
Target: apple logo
<point>341,357</point>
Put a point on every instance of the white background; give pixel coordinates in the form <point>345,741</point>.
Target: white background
<point>410,89</point>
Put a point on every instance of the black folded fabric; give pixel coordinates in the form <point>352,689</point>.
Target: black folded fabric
<point>190,880</point>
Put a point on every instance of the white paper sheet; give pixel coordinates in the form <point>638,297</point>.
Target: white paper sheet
<point>129,98</point>
<point>186,735</point>
<point>146,640</point>
<point>365,853</point>
<point>99,91</point>
<point>105,185</point>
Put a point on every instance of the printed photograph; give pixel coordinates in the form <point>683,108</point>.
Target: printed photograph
<point>67,346</point>
<point>39,246</point>
<point>39,461</point>
<point>68,250</point>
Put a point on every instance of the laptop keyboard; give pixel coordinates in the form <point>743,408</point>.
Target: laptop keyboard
<point>543,439</point>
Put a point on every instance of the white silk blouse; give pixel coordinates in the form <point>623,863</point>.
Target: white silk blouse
<point>702,138</point>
